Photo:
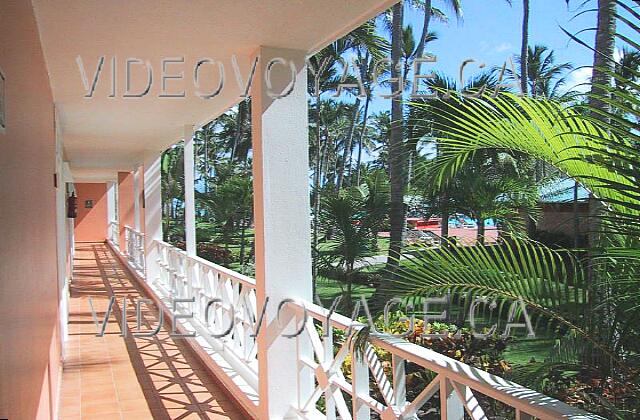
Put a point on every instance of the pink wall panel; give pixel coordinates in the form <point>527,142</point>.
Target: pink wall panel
<point>29,352</point>
<point>91,223</point>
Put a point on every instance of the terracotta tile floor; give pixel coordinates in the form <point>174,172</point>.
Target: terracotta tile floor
<point>115,377</point>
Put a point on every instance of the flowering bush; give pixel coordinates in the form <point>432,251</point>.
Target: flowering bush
<point>211,252</point>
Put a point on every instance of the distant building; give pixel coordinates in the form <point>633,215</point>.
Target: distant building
<point>560,217</point>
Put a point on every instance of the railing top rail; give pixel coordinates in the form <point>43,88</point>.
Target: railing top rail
<point>127,227</point>
<point>245,280</point>
<point>511,393</point>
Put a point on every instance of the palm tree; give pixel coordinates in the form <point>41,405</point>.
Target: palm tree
<point>497,176</point>
<point>603,63</point>
<point>593,316</point>
<point>322,79</point>
<point>365,42</point>
<point>366,60</point>
<point>396,143</point>
<point>545,77</point>
<point>428,12</point>
<point>235,132</point>
<point>172,166</point>
<point>231,203</point>
<point>524,48</point>
<point>354,215</point>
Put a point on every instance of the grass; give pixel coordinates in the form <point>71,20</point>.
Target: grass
<point>522,351</point>
<point>383,246</point>
<point>328,289</point>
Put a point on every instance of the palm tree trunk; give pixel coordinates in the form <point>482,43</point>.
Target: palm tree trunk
<point>207,166</point>
<point>242,244</point>
<point>524,49</point>
<point>603,58</point>
<point>238,134</point>
<point>316,193</point>
<point>425,32</point>
<point>444,224</point>
<point>363,67</point>
<point>346,153</point>
<point>576,217</point>
<point>481,230</point>
<point>361,138</point>
<point>396,147</point>
<point>167,221</point>
<point>602,63</point>
<point>419,54</point>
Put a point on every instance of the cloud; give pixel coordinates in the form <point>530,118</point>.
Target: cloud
<point>617,55</point>
<point>579,80</point>
<point>500,48</point>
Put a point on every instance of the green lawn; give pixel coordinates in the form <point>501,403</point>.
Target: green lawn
<point>383,246</point>
<point>522,350</point>
<point>328,289</point>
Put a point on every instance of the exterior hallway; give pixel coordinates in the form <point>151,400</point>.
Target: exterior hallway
<point>113,377</point>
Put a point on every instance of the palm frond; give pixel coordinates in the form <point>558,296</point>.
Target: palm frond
<point>602,162</point>
<point>551,283</point>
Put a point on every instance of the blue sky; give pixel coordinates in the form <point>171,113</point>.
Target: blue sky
<point>490,33</point>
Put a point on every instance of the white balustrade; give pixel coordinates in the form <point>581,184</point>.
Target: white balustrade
<point>134,248</point>
<point>460,384</point>
<point>224,308</point>
<point>229,333</point>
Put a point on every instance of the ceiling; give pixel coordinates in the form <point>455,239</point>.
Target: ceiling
<point>106,131</point>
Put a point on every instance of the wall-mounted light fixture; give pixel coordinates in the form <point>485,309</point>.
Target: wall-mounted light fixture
<point>3,106</point>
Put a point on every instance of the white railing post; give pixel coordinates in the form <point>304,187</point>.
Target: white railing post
<point>360,385</point>
<point>330,404</point>
<point>282,231</point>
<point>450,404</point>
<point>128,244</point>
<point>398,366</point>
<point>152,214</point>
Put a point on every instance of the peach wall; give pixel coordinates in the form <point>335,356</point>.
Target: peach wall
<point>29,349</point>
<point>125,202</point>
<point>91,223</point>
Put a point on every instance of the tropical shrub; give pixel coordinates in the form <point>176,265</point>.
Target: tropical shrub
<point>211,252</point>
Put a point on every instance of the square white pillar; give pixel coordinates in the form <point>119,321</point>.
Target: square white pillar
<point>136,199</point>
<point>282,225</point>
<point>111,201</point>
<point>112,214</point>
<point>189,191</point>
<point>152,212</point>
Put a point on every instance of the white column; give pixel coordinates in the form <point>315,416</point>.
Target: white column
<point>136,199</point>
<point>282,228</point>
<point>111,209</point>
<point>189,192</point>
<point>152,212</point>
<point>111,201</point>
